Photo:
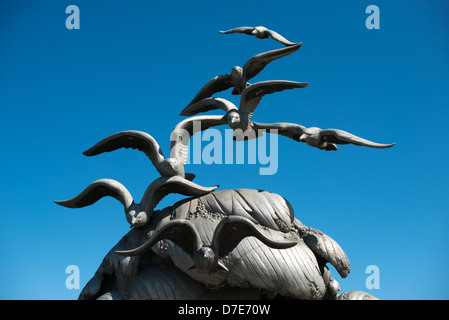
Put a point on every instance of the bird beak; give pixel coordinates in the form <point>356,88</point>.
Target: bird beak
<point>222,266</point>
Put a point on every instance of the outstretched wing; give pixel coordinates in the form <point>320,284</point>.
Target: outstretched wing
<point>208,104</point>
<point>183,131</point>
<point>129,139</point>
<point>257,63</point>
<point>97,190</point>
<point>217,84</point>
<point>276,36</point>
<point>163,186</point>
<point>252,94</point>
<point>181,232</point>
<point>342,137</point>
<point>233,229</point>
<point>290,130</point>
<point>247,30</point>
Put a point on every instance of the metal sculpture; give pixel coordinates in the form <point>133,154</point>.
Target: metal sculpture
<point>218,244</point>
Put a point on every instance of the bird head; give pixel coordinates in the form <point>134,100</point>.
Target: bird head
<point>136,216</point>
<point>233,119</point>
<point>303,137</point>
<point>237,74</point>
<point>333,287</point>
<point>310,135</point>
<point>260,32</point>
<point>204,259</point>
<point>172,167</point>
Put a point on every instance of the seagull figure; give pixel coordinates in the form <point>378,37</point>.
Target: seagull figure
<point>260,32</point>
<point>137,214</point>
<point>240,118</point>
<point>167,167</point>
<point>239,76</point>
<point>324,139</point>
<point>143,142</point>
<point>227,235</point>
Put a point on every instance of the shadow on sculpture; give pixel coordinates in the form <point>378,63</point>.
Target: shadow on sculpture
<point>218,244</point>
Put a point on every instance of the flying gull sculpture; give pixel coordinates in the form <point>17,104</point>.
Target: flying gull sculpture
<point>142,141</point>
<point>239,76</point>
<point>260,32</point>
<point>324,139</point>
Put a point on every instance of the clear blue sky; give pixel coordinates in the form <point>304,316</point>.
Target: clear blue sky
<point>135,65</point>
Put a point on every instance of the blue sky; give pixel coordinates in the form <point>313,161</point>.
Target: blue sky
<point>136,65</point>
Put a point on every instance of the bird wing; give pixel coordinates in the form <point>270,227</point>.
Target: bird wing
<point>129,139</point>
<point>181,232</point>
<point>163,186</point>
<point>217,84</point>
<point>184,130</point>
<point>257,63</point>
<point>342,137</point>
<point>247,30</point>
<point>233,229</point>
<point>252,94</point>
<point>324,247</point>
<point>276,36</point>
<point>286,129</point>
<point>97,190</point>
<point>208,104</point>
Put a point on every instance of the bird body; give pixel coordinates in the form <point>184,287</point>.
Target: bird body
<point>260,32</point>
<point>314,137</point>
<point>227,235</point>
<point>239,76</point>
